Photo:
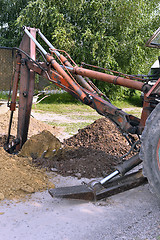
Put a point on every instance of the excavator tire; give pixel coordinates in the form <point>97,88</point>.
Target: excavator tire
<point>150,150</point>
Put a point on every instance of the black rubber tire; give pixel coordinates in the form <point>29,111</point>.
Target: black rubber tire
<point>150,150</point>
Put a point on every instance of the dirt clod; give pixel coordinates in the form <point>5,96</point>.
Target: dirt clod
<point>1,196</point>
<point>43,144</point>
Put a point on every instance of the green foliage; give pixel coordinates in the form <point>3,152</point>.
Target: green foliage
<point>129,101</point>
<point>45,16</point>
<point>107,33</point>
<point>3,95</point>
<point>9,12</point>
<point>59,98</point>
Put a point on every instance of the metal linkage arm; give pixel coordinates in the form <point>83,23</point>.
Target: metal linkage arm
<point>109,78</point>
<point>87,94</point>
<point>65,61</point>
<point>74,85</point>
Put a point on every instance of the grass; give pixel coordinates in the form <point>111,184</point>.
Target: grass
<point>63,108</point>
<point>129,102</point>
<point>59,98</point>
<point>134,103</point>
<point>86,117</point>
<point>135,112</point>
<point>3,96</point>
<point>65,105</point>
<point>71,128</point>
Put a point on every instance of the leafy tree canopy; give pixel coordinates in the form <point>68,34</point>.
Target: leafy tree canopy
<point>107,33</point>
<point>9,12</point>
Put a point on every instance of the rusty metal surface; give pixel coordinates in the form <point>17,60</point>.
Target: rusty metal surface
<point>31,83</point>
<point>15,82</point>
<point>145,112</point>
<point>126,122</point>
<point>79,78</point>
<point>23,93</point>
<point>154,89</point>
<point>62,77</point>
<point>73,85</point>
<point>109,78</point>
<point>26,91</point>
<point>122,184</point>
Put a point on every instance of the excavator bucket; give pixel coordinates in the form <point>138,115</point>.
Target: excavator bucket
<point>98,192</point>
<point>74,192</point>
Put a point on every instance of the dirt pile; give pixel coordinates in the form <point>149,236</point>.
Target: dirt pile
<point>35,126</point>
<point>19,177</point>
<point>93,152</point>
<point>101,135</point>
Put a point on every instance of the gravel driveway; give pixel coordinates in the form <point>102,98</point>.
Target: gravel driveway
<point>130,215</point>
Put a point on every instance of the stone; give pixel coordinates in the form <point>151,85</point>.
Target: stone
<point>1,196</point>
<point>44,144</point>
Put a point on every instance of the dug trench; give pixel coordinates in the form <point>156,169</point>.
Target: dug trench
<point>93,152</point>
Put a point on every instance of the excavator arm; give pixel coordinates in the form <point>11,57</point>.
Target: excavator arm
<point>68,76</point>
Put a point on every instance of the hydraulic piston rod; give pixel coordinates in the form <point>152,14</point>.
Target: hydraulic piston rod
<point>109,78</point>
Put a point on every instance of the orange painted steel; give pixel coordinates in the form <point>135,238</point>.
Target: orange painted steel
<point>26,89</point>
<point>78,77</point>
<point>71,80</point>
<point>72,84</point>
<point>108,78</point>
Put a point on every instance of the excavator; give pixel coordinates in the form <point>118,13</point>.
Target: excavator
<point>142,134</point>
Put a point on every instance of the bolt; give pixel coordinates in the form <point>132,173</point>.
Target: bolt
<point>25,94</point>
<point>23,61</point>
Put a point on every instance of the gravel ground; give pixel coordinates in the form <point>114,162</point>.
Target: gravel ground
<point>130,215</point>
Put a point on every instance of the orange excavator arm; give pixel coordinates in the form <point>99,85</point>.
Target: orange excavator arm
<point>64,73</point>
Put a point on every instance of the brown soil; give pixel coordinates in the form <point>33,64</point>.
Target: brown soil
<point>35,126</point>
<point>93,152</point>
<point>42,144</point>
<point>19,177</point>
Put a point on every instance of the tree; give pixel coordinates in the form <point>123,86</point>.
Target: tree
<point>9,12</point>
<point>107,33</point>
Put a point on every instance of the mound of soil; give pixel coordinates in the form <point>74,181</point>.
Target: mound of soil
<point>93,152</point>
<point>42,144</point>
<point>18,177</point>
<point>35,126</point>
